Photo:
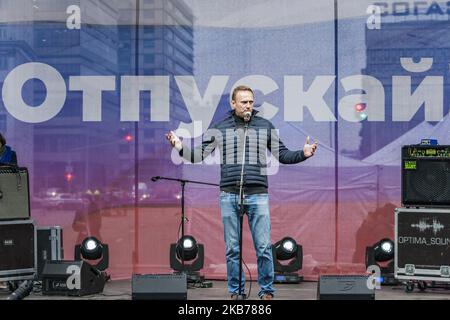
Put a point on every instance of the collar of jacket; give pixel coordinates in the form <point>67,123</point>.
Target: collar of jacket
<point>254,112</point>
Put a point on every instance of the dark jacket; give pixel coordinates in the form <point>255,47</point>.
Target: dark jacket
<point>227,134</point>
<point>8,156</point>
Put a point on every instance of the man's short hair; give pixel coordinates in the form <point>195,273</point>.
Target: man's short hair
<point>240,88</point>
<point>2,140</point>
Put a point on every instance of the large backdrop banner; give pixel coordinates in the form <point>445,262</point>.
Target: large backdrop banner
<point>89,89</point>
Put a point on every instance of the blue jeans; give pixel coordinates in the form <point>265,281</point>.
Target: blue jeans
<point>257,208</point>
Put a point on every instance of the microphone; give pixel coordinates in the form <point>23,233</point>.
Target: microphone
<point>247,116</point>
<point>156,178</point>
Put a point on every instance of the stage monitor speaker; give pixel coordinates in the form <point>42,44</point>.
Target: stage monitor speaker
<point>17,250</point>
<point>159,287</point>
<point>14,193</point>
<point>344,287</point>
<point>71,278</point>
<point>425,176</point>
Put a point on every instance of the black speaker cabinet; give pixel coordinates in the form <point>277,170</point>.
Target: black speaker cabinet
<point>159,287</point>
<point>425,176</point>
<point>344,287</point>
<point>14,193</point>
<point>71,278</point>
<point>17,250</point>
<point>49,246</point>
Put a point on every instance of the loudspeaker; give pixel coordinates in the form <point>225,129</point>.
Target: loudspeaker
<point>344,287</point>
<point>49,246</point>
<point>14,193</point>
<point>71,278</point>
<point>17,250</point>
<point>426,176</point>
<point>159,287</point>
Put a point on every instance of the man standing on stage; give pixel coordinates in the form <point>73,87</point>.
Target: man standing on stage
<point>228,136</point>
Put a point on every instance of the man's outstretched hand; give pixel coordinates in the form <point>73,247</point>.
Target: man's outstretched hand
<point>309,149</point>
<point>174,140</point>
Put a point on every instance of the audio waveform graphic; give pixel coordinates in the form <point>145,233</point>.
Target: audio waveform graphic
<point>423,225</point>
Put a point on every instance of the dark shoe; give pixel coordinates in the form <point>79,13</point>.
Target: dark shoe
<point>235,296</point>
<point>267,296</point>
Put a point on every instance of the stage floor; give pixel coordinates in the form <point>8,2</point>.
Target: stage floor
<point>121,290</point>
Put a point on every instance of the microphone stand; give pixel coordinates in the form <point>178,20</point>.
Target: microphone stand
<point>242,295</point>
<point>183,183</point>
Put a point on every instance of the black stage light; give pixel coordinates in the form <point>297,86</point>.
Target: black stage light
<point>187,250</point>
<point>92,249</point>
<point>384,250</point>
<point>283,250</point>
<point>381,254</point>
<point>286,248</point>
